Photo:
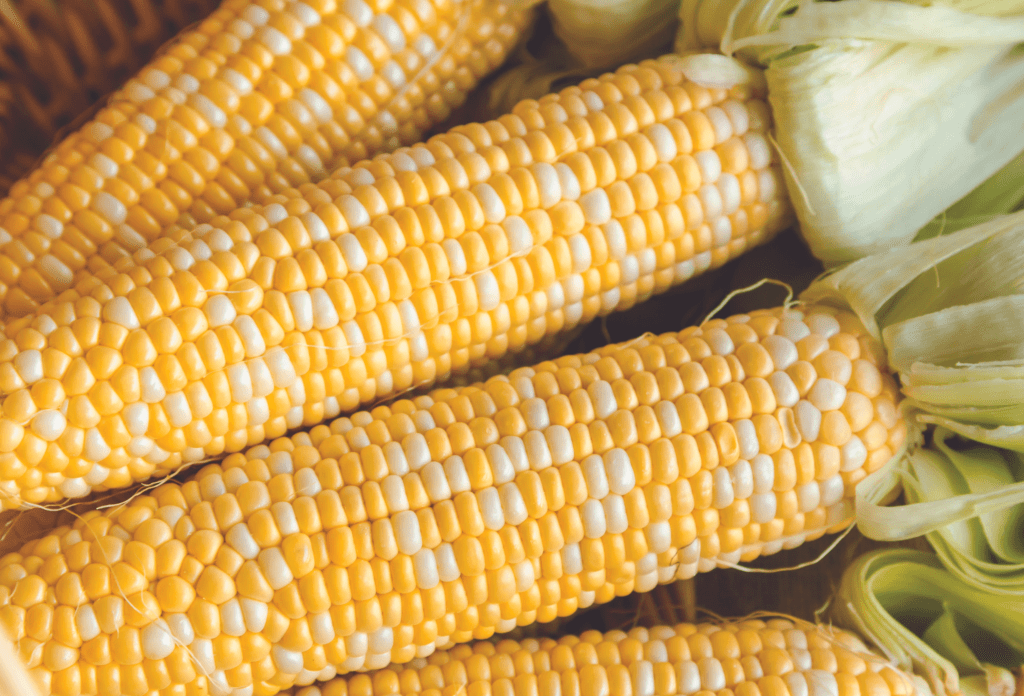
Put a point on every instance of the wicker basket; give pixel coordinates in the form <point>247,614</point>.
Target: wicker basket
<point>58,57</point>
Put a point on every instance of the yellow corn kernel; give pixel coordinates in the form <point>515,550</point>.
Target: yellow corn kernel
<point>641,661</point>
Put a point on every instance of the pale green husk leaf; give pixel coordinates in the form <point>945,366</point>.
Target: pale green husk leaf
<point>969,500</point>
<point>1006,436</point>
<point>590,36</point>
<point>963,639</point>
<point>608,33</point>
<point>1001,193</point>
<point>886,113</point>
<point>869,285</point>
<point>950,313</point>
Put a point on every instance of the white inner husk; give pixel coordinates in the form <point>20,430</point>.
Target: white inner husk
<point>886,112</point>
<point>593,36</point>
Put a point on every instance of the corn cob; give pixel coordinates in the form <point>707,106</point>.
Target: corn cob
<point>387,276</point>
<point>260,97</point>
<point>57,59</point>
<point>750,657</point>
<point>453,516</point>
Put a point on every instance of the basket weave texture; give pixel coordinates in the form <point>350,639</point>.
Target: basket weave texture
<point>59,57</point>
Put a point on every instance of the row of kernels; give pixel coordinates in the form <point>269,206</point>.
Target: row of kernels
<point>470,340</point>
<point>211,99</point>
<point>463,182</point>
<point>661,660</point>
<point>285,657</point>
<point>397,117</point>
<point>381,95</point>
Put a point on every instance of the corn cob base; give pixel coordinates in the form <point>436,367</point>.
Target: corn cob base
<point>461,514</point>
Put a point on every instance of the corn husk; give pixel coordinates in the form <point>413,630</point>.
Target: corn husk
<point>961,639</point>
<point>950,313</point>
<point>886,112</point>
<point>589,37</point>
<point>1000,194</point>
<point>608,33</point>
<point>969,500</point>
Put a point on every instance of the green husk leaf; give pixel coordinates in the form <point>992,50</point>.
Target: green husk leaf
<point>868,285</point>
<point>986,470</point>
<point>878,521</point>
<point>937,338</point>
<point>947,641</point>
<point>969,500</point>
<point>1009,437</point>
<point>927,620</point>
<point>985,272</point>
<point>935,479</point>
<point>969,415</point>
<point>1002,193</point>
<point>926,373</point>
<point>980,393</point>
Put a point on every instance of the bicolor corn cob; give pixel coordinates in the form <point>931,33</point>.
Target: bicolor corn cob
<point>57,59</point>
<point>384,277</point>
<point>259,97</point>
<point>776,657</point>
<point>453,516</point>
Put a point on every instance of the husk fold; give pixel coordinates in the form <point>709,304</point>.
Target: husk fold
<point>969,501</point>
<point>607,33</point>
<point>589,37</point>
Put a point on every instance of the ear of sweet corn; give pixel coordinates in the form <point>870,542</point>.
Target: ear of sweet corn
<point>386,276</point>
<point>259,97</point>
<point>461,514</point>
<point>745,657</point>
